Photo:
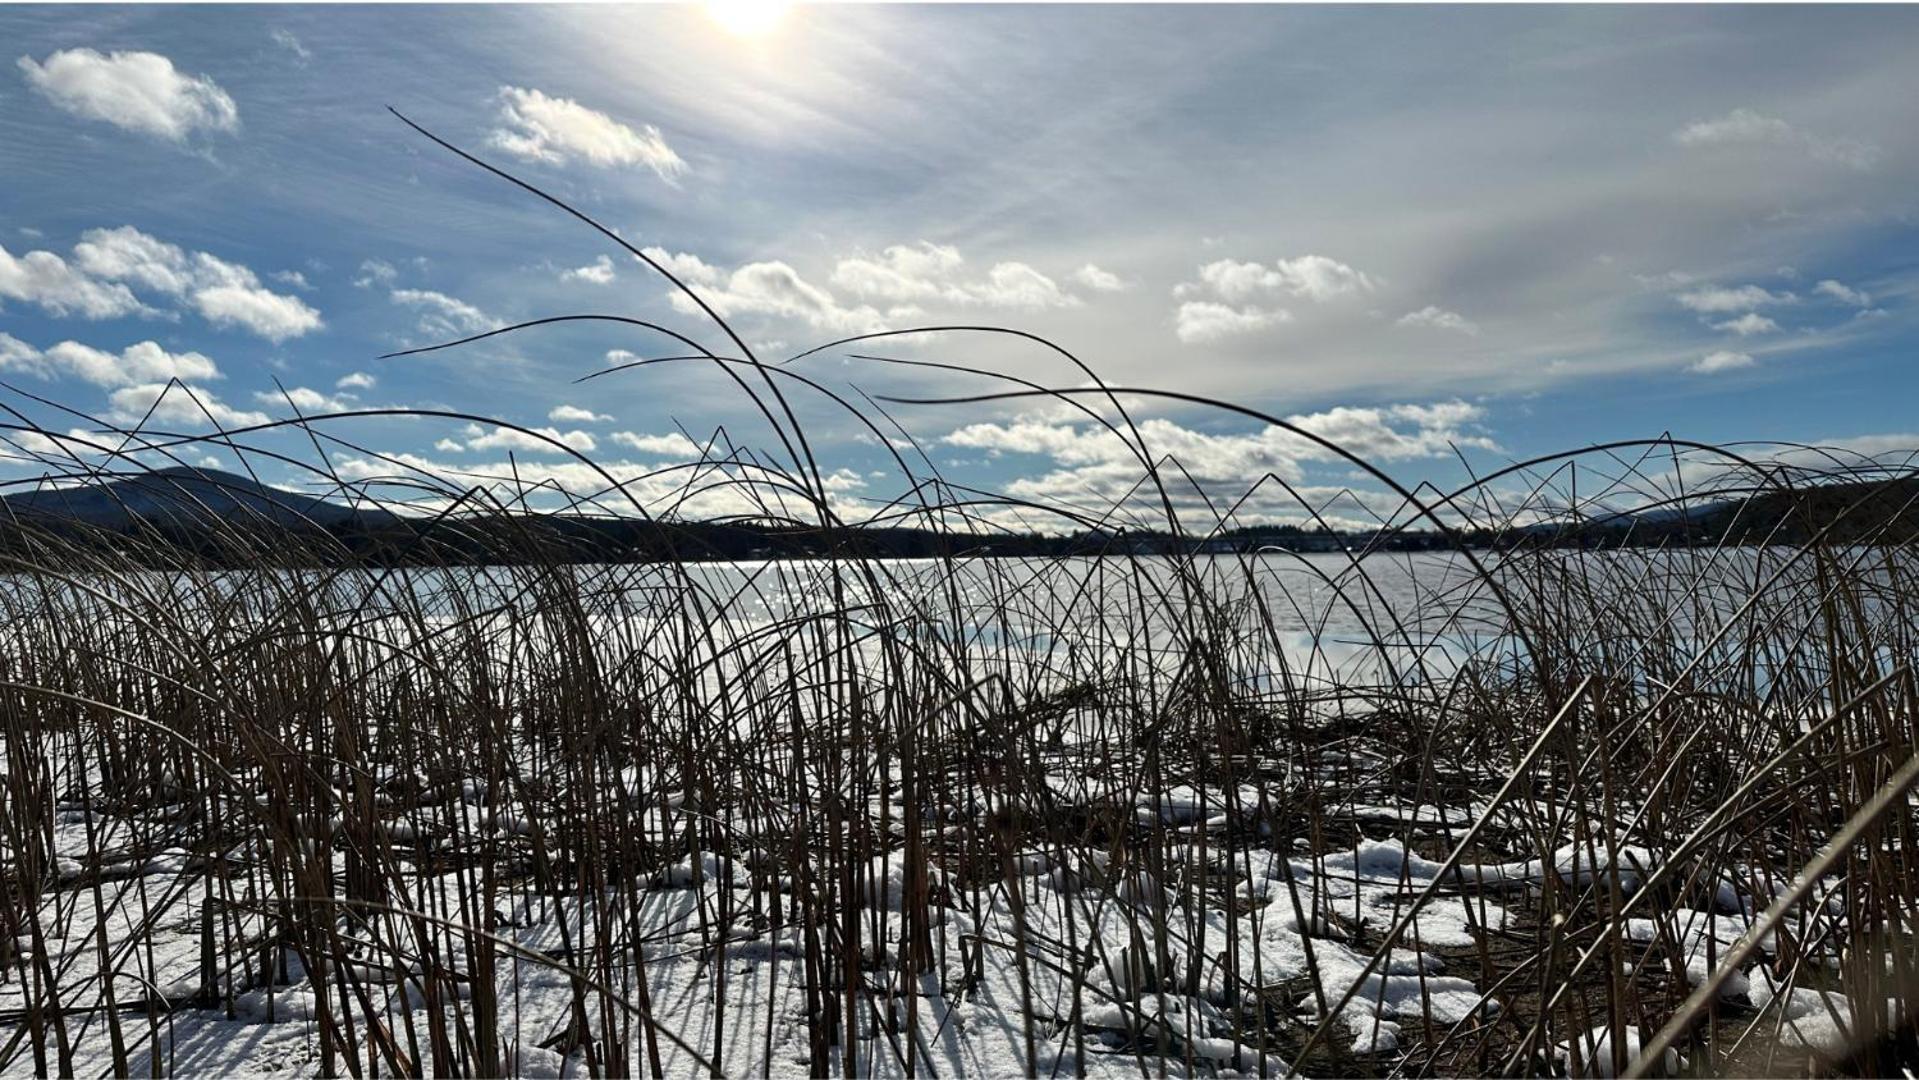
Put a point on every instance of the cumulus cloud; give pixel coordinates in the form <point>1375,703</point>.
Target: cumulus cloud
<point>774,289</point>
<point>442,315</point>
<point>1099,280</point>
<point>51,283</point>
<point>1723,360</point>
<point>573,414</point>
<point>687,267</point>
<point>673,444</point>
<point>1232,298</point>
<point>1310,277</point>
<point>142,362</point>
<point>1091,464</point>
<point>718,489</point>
<point>598,272</point>
<point>224,293</point>
<point>1747,127</point>
<point>358,380</point>
<point>271,315</point>
<point>504,438</point>
<point>177,405</point>
<point>303,399</point>
<point>136,91</point>
<point>926,272</point>
<point>1747,325</point>
<point>17,355</point>
<point>1198,322</point>
<point>1723,301</point>
<point>1843,293</point>
<point>1441,319</point>
<point>557,130</point>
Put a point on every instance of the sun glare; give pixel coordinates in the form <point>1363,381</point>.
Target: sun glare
<point>748,18</point>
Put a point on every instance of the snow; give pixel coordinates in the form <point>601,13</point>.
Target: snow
<point>1595,1051</point>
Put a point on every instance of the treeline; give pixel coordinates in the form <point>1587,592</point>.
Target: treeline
<point>1877,512</point>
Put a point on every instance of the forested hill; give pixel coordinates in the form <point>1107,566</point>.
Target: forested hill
<point>169,515</point>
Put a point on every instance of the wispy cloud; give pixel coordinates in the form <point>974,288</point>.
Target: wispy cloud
<point>1440,319</point>
<point>442,315</point>
<point>1723,360</point>
<point>1721,301</point>
<point>1747,127</point>
<point>1843,293</point>
<point>1747,325</point>
<point>286,40</point>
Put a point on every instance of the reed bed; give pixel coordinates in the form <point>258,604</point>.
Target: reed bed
<point>271,804</point>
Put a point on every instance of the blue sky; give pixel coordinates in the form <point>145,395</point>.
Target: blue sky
<point>1492,231</point>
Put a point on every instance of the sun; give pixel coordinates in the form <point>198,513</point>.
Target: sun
<point>748,18</point>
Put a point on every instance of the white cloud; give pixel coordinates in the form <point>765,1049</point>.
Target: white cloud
<point>720,489</point>
<point>285,39</point>
<point>775,288</point>
<point>17,355</point>
<point>304,399</point>
<point>1843,293</point>
<point>673,444</point>
<point>1311,277</point>
<point>1092,464</point>
<point>1723,360</point>
<point>1744,126</point>
<point>45,279</point>
<point>1439,318</point>
<point>1317,277</point>
<point>1099,280</point>
<point>598,272</point>
<point>503,438</point>
<point>358,380</point>
<point>224,293</point>
<point>176,405</point>
<point>1747,325</point>
<point>573,414</point>
<point>137,91</point>
<point>1017,285</point>
<point>375,272</point>
<point>442,315</point>
<point>271,315</point>
<point>1722,301</point>
<point>143,362</point>
<point>688,268</point>
<point>1198,322</point>
<point>556,130</point>
<point>931,272</point>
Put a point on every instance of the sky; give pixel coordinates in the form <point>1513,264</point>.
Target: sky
<point>1445,238</point>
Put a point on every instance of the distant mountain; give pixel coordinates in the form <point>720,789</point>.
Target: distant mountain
<point>185,497</point>
<point>1876,511</point>
<point>201,517</point>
